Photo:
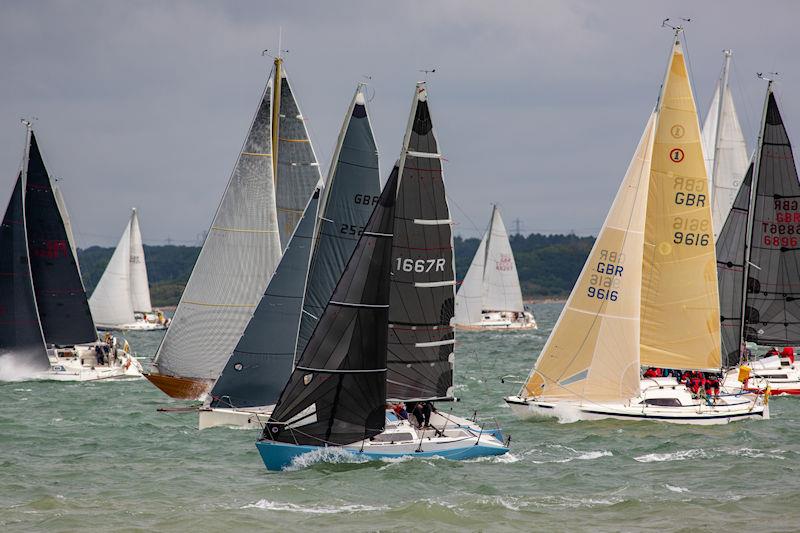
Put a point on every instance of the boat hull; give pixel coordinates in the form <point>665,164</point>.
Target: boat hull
<point>79,363</point>
<point>498,321</point>
<point>180,388</point>
<point>209,417</point>
<point>134,326</point>
<point>781,376</point>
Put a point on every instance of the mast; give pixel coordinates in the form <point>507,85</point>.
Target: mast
<point>751,218</point>
<point>720,106</point>
<point>486,249</point>
<point>276,113</point>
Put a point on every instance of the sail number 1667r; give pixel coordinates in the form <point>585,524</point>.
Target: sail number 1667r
<point>420,265</point>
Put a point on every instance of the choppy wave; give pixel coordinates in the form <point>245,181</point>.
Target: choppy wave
<point>680,455</point>
<point>572,454</point>
<point>699,453</point>
<point>323,509</point>
<point>332,454</point>
<point>673,488</point>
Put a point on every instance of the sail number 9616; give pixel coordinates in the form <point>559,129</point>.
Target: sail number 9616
<point>420,265</point>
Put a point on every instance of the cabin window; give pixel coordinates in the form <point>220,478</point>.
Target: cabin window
<point>663,402</point>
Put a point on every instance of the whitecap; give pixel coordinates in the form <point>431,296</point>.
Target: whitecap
<point>680,455</point>
<point>676,489</point>
<point>506,458</point>
<point>294,508</point>
<point>331,454</point>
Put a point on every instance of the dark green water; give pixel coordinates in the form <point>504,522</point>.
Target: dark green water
<point>98,457</point>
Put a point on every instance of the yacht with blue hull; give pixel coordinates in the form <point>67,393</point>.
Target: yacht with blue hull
<point>386,334</point>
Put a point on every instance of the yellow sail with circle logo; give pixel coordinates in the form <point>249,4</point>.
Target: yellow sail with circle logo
<point>680,326</point>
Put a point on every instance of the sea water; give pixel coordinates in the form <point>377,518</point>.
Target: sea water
<point>99,457</point>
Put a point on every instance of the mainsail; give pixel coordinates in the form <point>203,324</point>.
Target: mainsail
<point>262,360</point>
<point>350,194</point>
<point>60,297</point>
<point>680,304</point>
<point>295,167</point>
<point>241,250</point>
<point>772,310</point>
<point>724,147</point>
<point>111,300</point>
<point>337,392</point>
<point>492,282</point>
<point>139,286</point>
<point>21,338</point>
<point>421,336</point>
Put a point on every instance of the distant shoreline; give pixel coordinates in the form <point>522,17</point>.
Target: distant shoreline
<point>545,300</point>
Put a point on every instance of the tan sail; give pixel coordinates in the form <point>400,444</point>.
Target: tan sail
<point>680,307</point>
<point>593,351</point>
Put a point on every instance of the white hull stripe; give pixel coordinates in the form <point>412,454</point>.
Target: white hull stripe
<point>435,343</point>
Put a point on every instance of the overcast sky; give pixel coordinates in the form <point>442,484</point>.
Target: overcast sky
<point>538,105</point>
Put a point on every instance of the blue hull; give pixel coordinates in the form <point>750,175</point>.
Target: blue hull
<point>279,455</point>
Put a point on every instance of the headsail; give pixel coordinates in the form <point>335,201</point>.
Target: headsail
<point>296,168</point>
<point>111,302</point>
<point>593,352</point>
<point>350,194</point>
<point>21,338</point>
<point>240,253</point>
<point>725,149</point>
<point>421,336</point>
<point>731,247</point>
<point>262,361</point>
<point>501,281</point>
<point>337,392</point>
<point>139,286</point>
<point>60,297</point>
<point>773,286</point>
<point>680,303</point>
<point>469,298</point>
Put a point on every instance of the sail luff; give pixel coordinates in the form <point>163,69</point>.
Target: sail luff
<point>723,89</point>
<point>680,307</point>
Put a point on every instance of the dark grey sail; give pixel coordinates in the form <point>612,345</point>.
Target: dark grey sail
<point>297,168</point>
<point>351,192</point>
<point>337,392</point>
<point>60,296</point>
<point>20,333</point>
<point>421,335</point>
<point>730,267</point>
<point>262,360</point>
<point>773,286</point>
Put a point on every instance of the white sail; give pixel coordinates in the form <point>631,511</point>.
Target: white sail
<point>469,298</point>
<point>501,291</point>
<point>110,302</point>
<point>140,288</point>
<point>725,149</point>
<point>238,257</point>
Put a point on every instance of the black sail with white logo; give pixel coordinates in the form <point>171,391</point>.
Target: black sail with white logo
<point>20,334</point>
<point>336,393</point>
<point>772,311</point>
<point>730,267</point>
<point>421,336</point>
<point>60,296</point>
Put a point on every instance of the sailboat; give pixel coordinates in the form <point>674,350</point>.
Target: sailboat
<point>336,395</point>
<point>121,300</point>
<point>724,147</point>
<point>647,295</point>
<point>46,327</point>
<point>490,296</point>
<point>306,276</point>
<point>759,244</point>
<point>274,176</point>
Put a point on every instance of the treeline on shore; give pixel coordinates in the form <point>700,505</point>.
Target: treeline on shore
<point>548,265</point>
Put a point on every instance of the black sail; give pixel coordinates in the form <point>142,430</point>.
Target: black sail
<point>421,336</point>
<point>60,296</point>
<point>20,334</point>
<point>772,313</point>
<point>730,264</point>
<point>336,393</point>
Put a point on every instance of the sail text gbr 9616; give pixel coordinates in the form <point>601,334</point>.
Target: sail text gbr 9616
<point>274,176</point>
<point>647,294</point>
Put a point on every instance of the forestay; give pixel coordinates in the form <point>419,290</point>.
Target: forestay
<point>262,360</point>
<point>593,352</point>
<point>60,297</point>
<point>139,286</point>
<point>421,336</point>
<point>337,392</point>
<point>725,149</point>
<point>111,300</point>
<point>240,253</point>
<point>21,339</point>
<point>350,194</point>
<point>680,303</point>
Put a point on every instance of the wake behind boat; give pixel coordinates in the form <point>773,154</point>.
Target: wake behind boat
<point>46,326</point>
<point>647,295</point>
<point>490,296</point>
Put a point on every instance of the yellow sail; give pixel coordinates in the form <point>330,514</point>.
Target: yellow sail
<point>593,352</point>
<point>680,325</point>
